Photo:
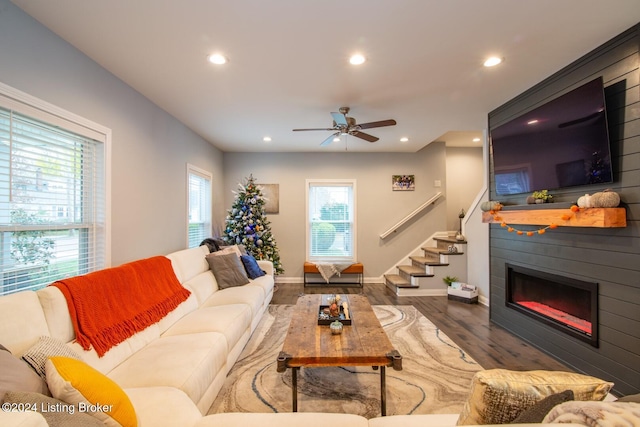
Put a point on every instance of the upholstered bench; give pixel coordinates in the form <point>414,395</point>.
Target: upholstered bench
<point>356,269</point>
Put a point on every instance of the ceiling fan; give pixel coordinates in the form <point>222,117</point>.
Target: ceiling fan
<point>345,125</point>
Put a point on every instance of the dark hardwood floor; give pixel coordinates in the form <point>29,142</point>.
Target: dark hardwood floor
<point>467,325</point>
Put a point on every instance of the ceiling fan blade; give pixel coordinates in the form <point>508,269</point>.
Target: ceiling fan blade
<point>364,136</point>
<point>330,139</point>
<point>379,124</point>
<point>339,118</point>
<point>295,130</point>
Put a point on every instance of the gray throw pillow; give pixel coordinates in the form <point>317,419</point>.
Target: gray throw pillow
<point>16,375</point>
<point>56,412</point>
<point>537,412</point>
<point>228,270</point>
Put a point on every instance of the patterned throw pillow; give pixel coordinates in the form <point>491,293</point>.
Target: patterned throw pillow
<point>498,396</point>
<point>45,348</point>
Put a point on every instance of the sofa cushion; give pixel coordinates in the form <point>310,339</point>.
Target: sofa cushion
<point>188,263</point>
<point>498,396</point>
<point>232,320</point>
<point>294,419</point>
<point>22,321</point>
<point>187,362</point>
<point>163,407</point>
<point>253,296</point>
<point>56,311</point>
<point>228,270</point>
<point>77,383</point>
<point>62,414</point>
<point>202,285</point>
<point>45,348</point>
<point>415,420</point>
<point>16,375</point>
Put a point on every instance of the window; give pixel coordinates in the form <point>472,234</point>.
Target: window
<point>53,202</point>
<point>331,228</point>
<point>199,205</point>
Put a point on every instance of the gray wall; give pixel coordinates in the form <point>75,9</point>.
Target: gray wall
<point>378,208</point>
<point>465,169</point>
<point>150,148</point>
<point>607,256</point>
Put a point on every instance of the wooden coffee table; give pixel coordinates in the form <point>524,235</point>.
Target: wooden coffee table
<point>363,343</point>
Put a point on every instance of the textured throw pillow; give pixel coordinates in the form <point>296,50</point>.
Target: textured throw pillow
<point>228,270</point>
<point>47,347</point>
<point>596,414</point>
<point>56,412</point>
<point>537,412</point>
<point>498,396</point>
<point>16,375</point>
<point>225,250</point>
<point>252,267</point>
<point>77,383</point>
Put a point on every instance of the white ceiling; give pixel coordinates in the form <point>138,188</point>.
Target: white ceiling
<point>288,61</point>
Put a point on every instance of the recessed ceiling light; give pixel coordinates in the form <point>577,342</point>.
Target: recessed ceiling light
<point>336,139</point>
<point>267,139</point>
<point>404,139</point>
<point>476,139</point>
<point>492,61</point>
<point>357,59</point>
<point>217,59</point>
<point>532,122</point>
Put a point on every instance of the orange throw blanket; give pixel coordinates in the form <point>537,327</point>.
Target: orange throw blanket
<point>109,306</point>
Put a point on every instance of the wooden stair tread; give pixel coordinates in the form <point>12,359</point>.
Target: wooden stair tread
<point>449,240</point>
<point>427,261</point>
<point>413,271</point>
<point>440,251</point>
<point>398,281</point>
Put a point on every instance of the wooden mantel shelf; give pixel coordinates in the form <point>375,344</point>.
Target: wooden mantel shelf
<point>590,217</point>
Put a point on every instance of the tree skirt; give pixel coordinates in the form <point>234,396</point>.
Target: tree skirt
<point>435,378</point>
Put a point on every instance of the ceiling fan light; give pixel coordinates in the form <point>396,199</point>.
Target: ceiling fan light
<point>357,59</point>
<point>404,139</point>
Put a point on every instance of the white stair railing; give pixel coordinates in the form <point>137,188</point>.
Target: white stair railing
<point>411,215</point>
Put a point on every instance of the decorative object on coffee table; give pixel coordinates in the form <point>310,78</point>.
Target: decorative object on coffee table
<point>336,327</point>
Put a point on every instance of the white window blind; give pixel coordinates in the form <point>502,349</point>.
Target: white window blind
<point>331,227</point>
<point>199,205</point>
<point>52,202</point>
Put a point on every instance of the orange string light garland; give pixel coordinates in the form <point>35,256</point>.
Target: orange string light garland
<point>542,230</point>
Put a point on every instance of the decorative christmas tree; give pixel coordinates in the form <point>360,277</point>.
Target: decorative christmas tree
<point>247,225</point>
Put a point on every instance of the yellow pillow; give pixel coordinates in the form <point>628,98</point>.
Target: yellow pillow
<point>77,383</point>
<point>498,396</point>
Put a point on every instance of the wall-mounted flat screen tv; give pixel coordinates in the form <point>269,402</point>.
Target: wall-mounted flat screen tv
<point>563,143</point>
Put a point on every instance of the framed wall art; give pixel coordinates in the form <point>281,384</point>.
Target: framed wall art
<point>403,182</point>
<point>271,193</point>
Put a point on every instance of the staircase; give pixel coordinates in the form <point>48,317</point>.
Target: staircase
<point>423,273</point>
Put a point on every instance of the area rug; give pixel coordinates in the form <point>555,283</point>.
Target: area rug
<point>435,378</point>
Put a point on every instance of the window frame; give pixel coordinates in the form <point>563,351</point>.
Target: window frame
<point>99,249</point>
<point>331,183</point>
<point>208,176</point>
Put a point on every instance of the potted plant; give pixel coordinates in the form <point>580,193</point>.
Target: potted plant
<point>541,196</point>
<point>449,280</point>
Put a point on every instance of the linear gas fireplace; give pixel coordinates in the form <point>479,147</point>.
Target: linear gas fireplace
<point>564,303</point>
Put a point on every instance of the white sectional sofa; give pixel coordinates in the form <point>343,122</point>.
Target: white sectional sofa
<point>172,370</point>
